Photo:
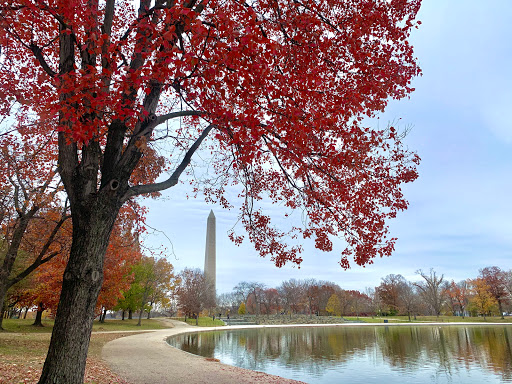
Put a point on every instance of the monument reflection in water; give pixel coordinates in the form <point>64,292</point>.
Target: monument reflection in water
<point>419,354</point>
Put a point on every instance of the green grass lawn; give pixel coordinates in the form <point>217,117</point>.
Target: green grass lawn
<point>367,319</point>
<point>203,321</point>
<point>25,326</point>
<point>441,319</point>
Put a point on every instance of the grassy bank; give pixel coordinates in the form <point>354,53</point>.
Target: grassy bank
<point>203,321</point>
<point>25,326</point>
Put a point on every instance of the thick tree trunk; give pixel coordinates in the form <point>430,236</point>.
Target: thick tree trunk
<point>149,314</point>
<point>25,314</point>
<point>39,316</point>
<point>122,316</point>
<point>130,314</point>
<point>83,277</point>
<point>103,315</point>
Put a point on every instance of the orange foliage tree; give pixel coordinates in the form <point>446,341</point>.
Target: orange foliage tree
<point>458,297</point>
<point>45,286</point>
<point>122,253</point>
<point>281,89</point>
<point>32,211</point>
<point>482,299</point>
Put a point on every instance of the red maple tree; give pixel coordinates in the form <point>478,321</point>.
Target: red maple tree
<point>280,89</point>
<point>496,280</point>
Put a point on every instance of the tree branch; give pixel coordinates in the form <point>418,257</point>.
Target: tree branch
<point>173,179</point>
<point>68,163</point>
<point>38,53</point>
<point>163,118</point>
<point>14,246</point>
<point>30,269</point>
<point>68,149</point>
<point>40,260</point>
<point>109,17</point>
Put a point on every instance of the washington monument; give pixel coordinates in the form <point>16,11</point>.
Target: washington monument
<point>209,255</point>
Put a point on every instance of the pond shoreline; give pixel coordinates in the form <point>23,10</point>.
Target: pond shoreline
<point>148,358</point>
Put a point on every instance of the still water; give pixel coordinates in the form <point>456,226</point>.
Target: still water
<point>414,354</point>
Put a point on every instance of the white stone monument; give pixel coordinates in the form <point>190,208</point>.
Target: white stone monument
<point>209,255</point>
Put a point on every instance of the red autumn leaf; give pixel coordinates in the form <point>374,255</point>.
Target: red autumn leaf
<point>281,87</point>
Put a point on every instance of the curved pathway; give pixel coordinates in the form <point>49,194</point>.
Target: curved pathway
<point>146,358</point>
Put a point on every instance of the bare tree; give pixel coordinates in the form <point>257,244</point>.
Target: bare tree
<point>228,302</point>
<point>242,291</point>
<point>312,291</point>
<point>508,281</point>
<point>292,294</point>
<point>346,300</point>
<point>374,303</point>
<point>409,299</point>
<point>360,302</point>
<point>432,290</point>
<point>256,293</point>
<point>246,289</point>
<point>270,300</point>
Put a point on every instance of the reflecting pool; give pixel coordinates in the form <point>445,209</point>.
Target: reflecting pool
<point>416,354</point>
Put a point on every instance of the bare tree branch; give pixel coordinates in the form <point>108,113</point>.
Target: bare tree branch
<point>173,180</point>
<point>163,118</point>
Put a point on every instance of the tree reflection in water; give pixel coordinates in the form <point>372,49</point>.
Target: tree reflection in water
<point>429,354</point>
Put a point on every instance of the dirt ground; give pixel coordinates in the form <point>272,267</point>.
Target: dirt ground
<point>22,358</point>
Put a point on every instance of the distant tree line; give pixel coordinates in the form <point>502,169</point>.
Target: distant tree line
<point>134,283</point>
<point>490,293</point>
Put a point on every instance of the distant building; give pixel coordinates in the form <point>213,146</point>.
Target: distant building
<point>210,251</point>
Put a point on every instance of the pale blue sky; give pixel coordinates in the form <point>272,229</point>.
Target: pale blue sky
<point>459,219</point>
